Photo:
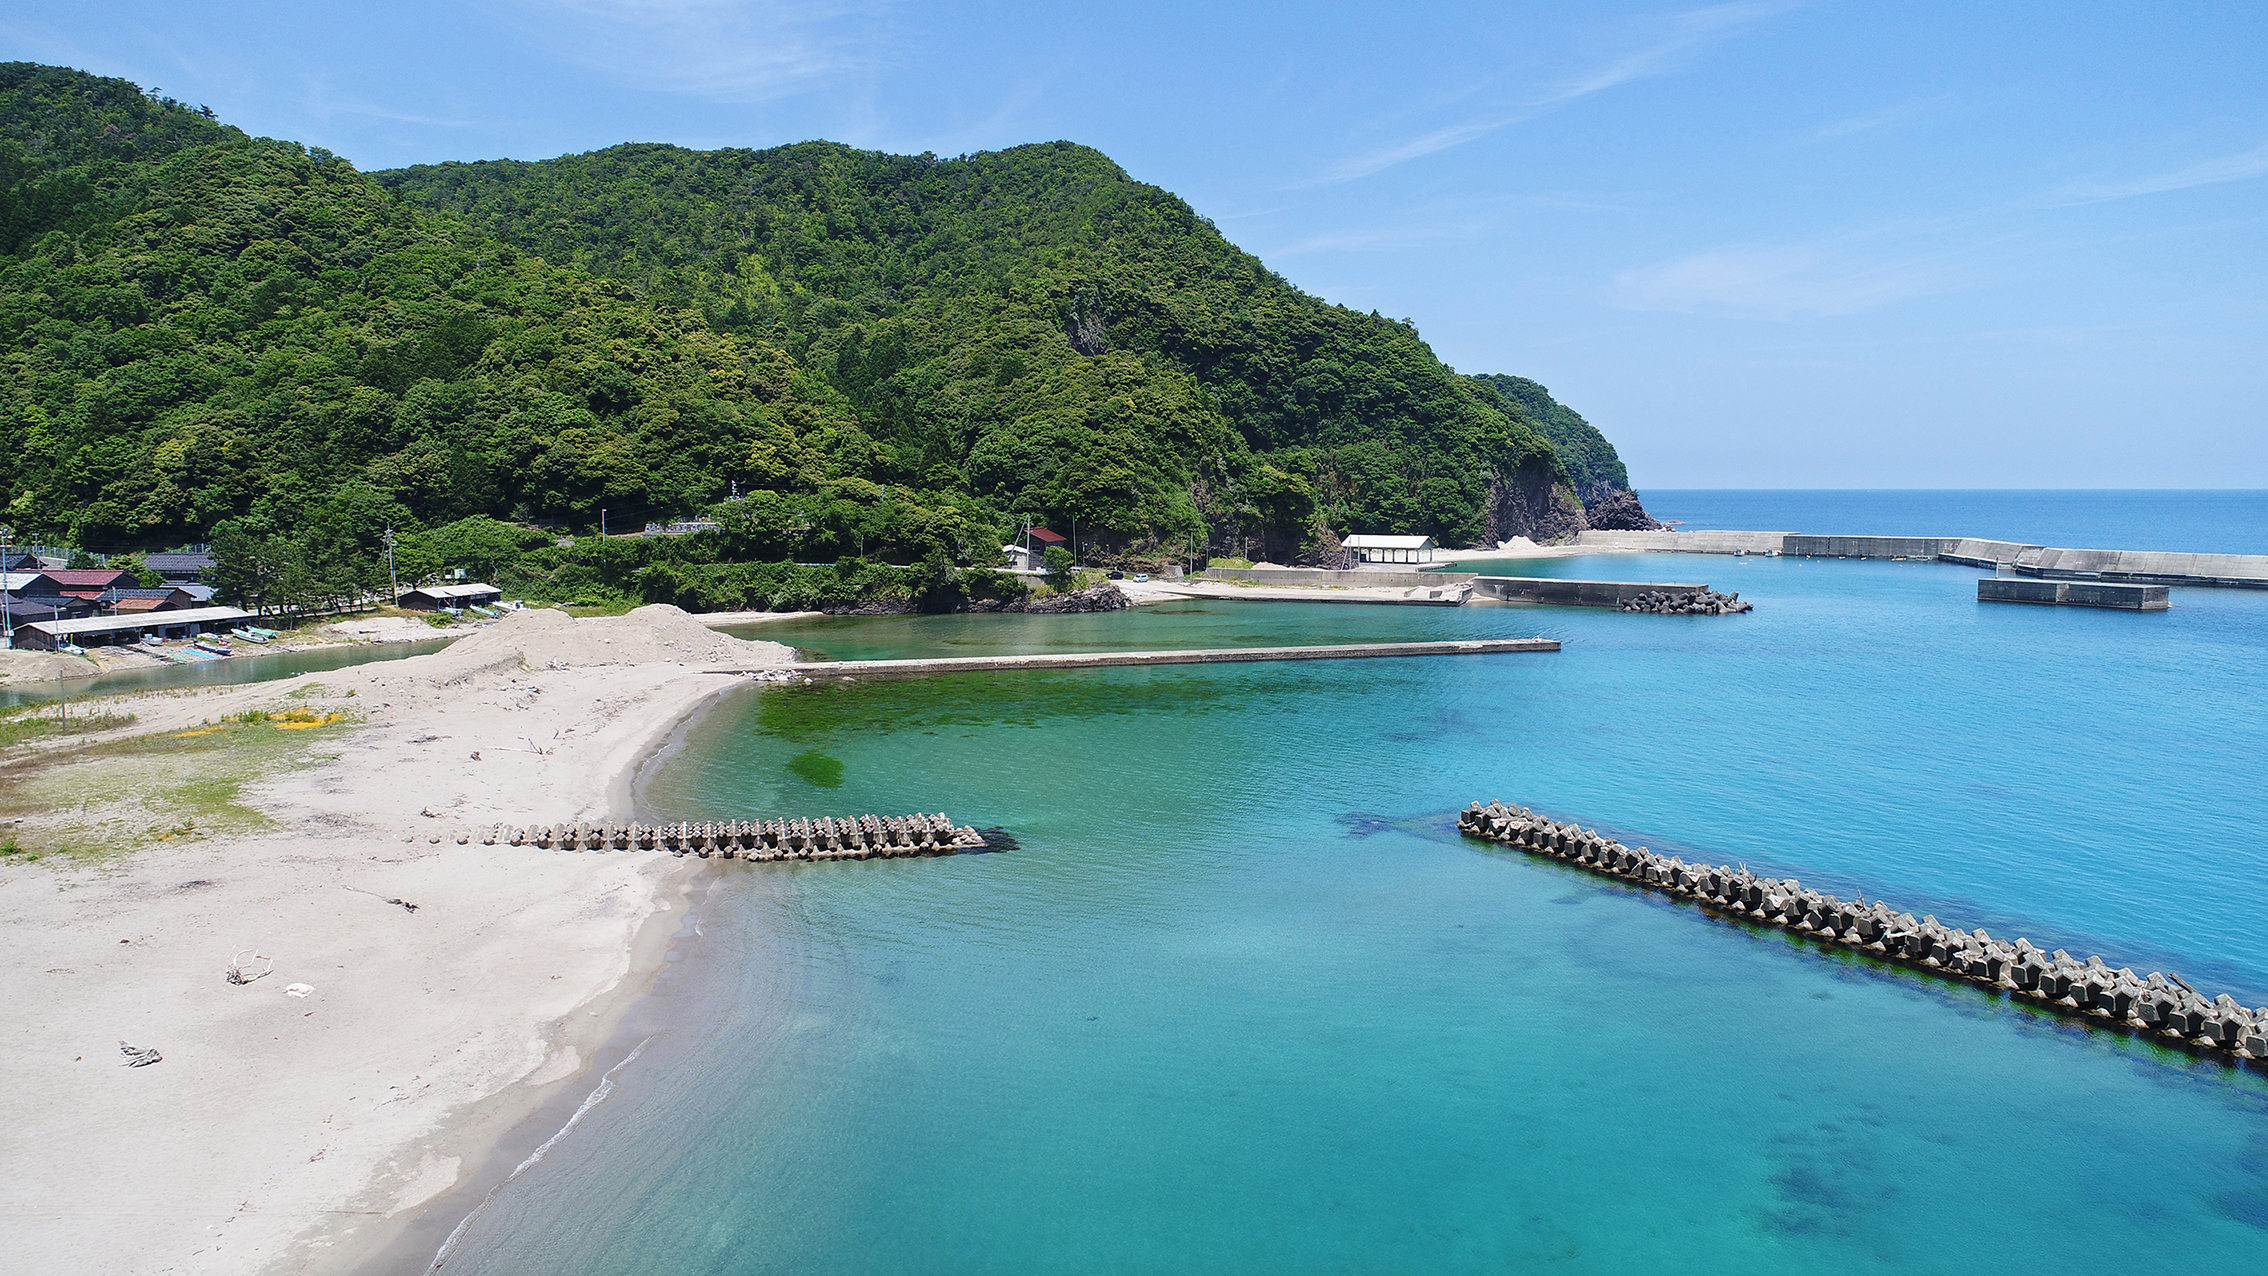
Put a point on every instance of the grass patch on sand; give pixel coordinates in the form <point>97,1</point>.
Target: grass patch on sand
<point>117,796</point>
<point>23,723</point>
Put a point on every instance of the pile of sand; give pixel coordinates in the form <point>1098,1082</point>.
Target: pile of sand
<point>547,639</point>
<point>383,628</point>
<point>23,667</point>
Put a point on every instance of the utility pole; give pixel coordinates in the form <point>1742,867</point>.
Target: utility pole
<point>393,581</point>
<point>602,524</point>
<point>7,615</point>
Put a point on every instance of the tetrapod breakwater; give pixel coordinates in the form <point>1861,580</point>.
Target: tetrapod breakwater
<point>2161,1006</point>
<point>1706,602</point>
<point>860,837</point>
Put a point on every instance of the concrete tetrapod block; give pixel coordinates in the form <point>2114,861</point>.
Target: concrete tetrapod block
<point>2115,999</point>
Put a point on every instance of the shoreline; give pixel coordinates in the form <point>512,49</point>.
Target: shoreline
<point>309,1132</point>
<point>504,1140</point>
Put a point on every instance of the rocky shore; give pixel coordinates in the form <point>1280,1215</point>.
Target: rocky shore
<point>1616,509</point>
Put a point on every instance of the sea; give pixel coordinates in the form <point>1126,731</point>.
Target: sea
<point>1242,1001</point>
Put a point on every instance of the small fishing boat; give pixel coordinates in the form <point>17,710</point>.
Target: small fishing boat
<point>216,645</point>
<point>252,635</point>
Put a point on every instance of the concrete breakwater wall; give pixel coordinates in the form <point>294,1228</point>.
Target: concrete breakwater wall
<point>1622,595</point>
<point>2073,593</point>
<point>2126,566</point>
<point>1575,593</point>
<point>1685,542</point>
<point>860,837</point>
<point>2162,1006</point>
<point>1926,548</point>
<point>2144,567</point>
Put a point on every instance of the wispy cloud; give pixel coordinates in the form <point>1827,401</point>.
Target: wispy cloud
<point>2240,167</point>
<point>1688,34</point>
<point>1887,117</point>
<point>1674,43</point>
<point>724,50</point>
<point>1358,241</point>
<point>1784,282</point>
<point>1417,147</point>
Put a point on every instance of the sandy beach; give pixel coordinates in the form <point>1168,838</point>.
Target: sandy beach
<point>294,1121</point>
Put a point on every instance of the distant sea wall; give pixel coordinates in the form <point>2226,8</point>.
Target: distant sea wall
<point>2125,566</point>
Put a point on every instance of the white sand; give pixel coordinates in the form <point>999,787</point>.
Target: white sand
<point>280,1133</point>
<point>27,668</point>
<point>383,629</point>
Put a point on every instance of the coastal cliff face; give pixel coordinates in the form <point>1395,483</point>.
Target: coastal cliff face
<point>1616,509</point>
<point>1533,503</point>
<point>1587,461</point>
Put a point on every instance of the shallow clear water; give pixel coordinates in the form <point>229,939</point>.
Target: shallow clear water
<point>248,665</point>
<point>1243,1002</point>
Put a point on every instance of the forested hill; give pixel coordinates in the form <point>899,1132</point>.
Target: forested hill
<point>199,327</point>
<point>892,357</point>
<point>1590,461</point>
<point>989,313</point>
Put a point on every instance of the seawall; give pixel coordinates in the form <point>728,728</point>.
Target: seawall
<point>2126,566</point>
<point>1575,593</point>
<point>2073,593</point>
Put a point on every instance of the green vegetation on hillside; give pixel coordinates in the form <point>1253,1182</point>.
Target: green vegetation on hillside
<point>1590,461</point>
<point>882,359</point>
<point>1065,340</point>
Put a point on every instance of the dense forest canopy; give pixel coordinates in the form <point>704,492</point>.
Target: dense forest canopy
<point>1584,453</point>
<point>888,357</point>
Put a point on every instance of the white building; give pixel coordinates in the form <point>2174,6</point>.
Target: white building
<point>1390,549</point>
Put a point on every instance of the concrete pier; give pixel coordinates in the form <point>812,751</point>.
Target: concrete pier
<point>2161,1006</point>
<point>1575,593</point>
<point>1119,659</point>
<point>2065,593</point>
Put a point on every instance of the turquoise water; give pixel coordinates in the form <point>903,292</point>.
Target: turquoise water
<point>1242,1002</point>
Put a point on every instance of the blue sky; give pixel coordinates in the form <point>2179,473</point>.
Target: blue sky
<point>1760,244</point>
